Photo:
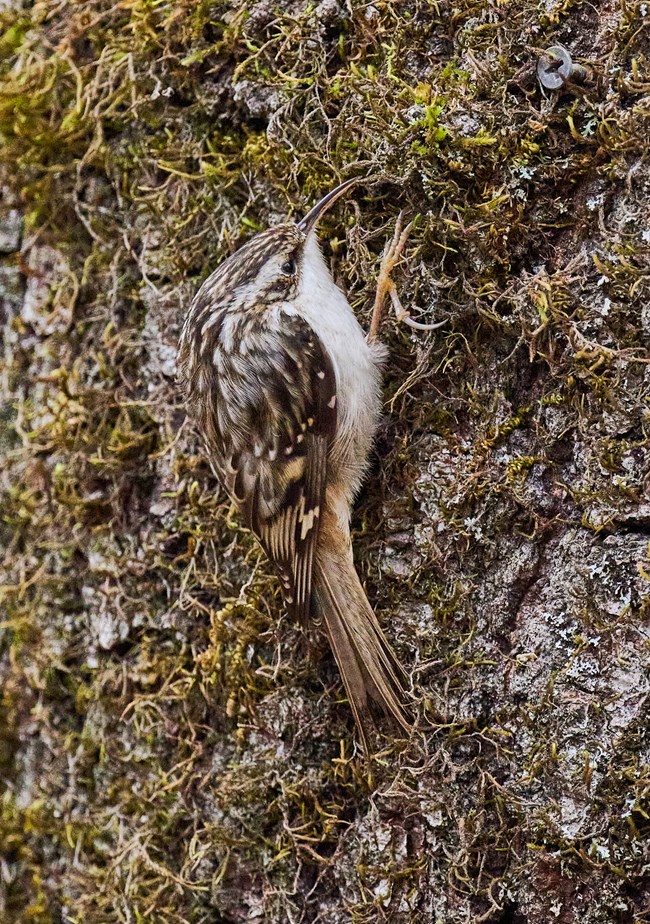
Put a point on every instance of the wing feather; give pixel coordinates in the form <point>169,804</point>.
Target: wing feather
<point>273,420</point>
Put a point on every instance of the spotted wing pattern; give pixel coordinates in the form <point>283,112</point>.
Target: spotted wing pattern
<point>272,410</point>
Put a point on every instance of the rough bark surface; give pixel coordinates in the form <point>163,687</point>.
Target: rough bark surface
<point>171,747</point>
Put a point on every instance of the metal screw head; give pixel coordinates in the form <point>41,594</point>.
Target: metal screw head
<point>555,68</point>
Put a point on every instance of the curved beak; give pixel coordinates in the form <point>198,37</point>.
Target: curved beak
<point>309,221</point>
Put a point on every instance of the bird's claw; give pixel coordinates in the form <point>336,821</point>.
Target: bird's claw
<point>402,314</point>
<point>385,285</point>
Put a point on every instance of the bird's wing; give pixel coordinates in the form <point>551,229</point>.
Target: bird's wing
<point>274,418</point>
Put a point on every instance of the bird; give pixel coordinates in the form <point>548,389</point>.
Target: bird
<point>285,389</point>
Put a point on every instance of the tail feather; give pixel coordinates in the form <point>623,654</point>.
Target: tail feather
<point>369,667</point>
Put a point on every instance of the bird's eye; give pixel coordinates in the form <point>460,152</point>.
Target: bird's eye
<point>289,267</point>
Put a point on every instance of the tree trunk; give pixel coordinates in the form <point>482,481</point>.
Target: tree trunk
<point>172,747</point>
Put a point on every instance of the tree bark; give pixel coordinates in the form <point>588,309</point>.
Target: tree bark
<point>172,748</point>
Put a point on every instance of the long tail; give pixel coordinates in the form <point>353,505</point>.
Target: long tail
<point>368,665</point>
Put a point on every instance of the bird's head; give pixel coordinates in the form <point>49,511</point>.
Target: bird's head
<point>268,268</point>
<point>275,266</point>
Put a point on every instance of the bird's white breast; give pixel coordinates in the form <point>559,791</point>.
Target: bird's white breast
<point>356,365</point>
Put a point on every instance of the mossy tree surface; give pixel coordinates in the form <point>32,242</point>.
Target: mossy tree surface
<point>172,748</point>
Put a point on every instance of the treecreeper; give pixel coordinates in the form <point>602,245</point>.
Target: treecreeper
<point>285,389</point>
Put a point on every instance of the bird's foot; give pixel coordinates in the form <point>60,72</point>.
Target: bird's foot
<point>392,253</point>
<point>402,314</point>
<point>386,286</point>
